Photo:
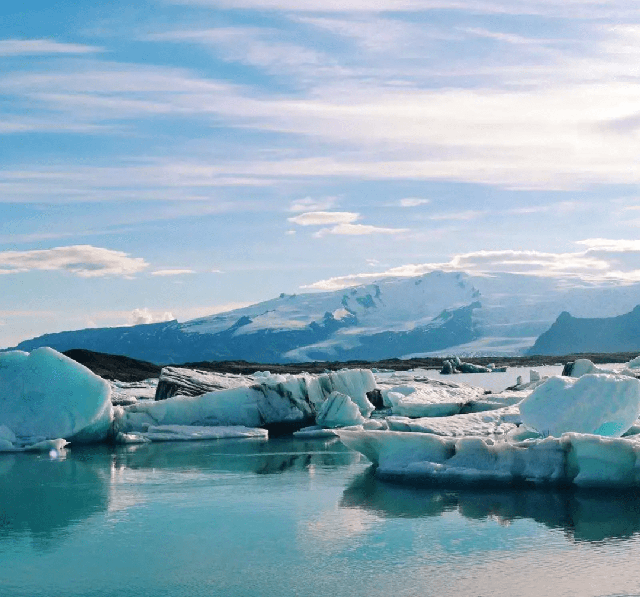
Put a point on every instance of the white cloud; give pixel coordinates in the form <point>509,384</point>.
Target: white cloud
<point>357,230</point>
<point>308,204</point>
<point>605,244</point>
<point>22,47</point>
<point>320,218</point>
<point>413,202</point>
<point>261,47</point>
<point>575,8</point>
<point>172,272</point>
<point>140,316</point>
<point>461,215</point>
<point>85,261</point>
<point>565,122</point>
<point>604,261</point>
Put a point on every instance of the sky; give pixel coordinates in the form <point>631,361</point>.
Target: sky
<point>176,158</point>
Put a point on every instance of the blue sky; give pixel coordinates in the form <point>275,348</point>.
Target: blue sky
<point>173,159</point>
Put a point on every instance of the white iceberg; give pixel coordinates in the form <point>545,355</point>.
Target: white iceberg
<point>338,410</point>
<point>47,396</point>
<point>173,433</point>
<point>599,404</point>
<point>277,400</point>
<point>494,422</point>
<point>579,459</point>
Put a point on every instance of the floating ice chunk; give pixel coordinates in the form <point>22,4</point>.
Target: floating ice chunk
<point>47,396</point>
<point>603,461</point>
<point>131,438</point>
<point>582,367</point>
<point>429,398</point>
<point>314,431</point>
<point>239,406</point>
<point>277,400</point>
<point>355,383</point>
<point>495,422</point>
<point>600,404</point>
<point>634,363</point>
<point>583,460</point>
<point>172,433</point>
<point>338,410</point>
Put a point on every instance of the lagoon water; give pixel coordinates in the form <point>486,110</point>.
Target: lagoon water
<point>290,517</point>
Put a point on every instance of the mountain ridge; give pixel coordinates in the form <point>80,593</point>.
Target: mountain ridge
<point>436,314</point>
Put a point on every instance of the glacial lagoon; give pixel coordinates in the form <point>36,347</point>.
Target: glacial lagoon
<point>297,517</point>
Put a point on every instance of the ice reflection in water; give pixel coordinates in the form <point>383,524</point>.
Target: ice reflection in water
<point>291,517</point>
<point>583,515</point>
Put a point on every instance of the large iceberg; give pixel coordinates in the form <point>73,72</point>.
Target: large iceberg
<point>567,431</point>
<point>279,403</point>
<point>579,459</point>
<point>600,404</point>
<point>47,396</point>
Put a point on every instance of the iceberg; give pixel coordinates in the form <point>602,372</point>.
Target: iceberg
<point>338,410</point>
<point>576,459</point>
<point>278,402</point>
<point>495,422</point>
<point>47,396</point>
<point>174,433</point>
<point>600,404</point>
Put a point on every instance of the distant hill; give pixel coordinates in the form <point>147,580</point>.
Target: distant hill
<point>578,335</point>
<point>110,366</point>
<point>121,368</point>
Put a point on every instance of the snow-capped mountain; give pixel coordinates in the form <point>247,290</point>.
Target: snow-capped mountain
<point>437,313</point>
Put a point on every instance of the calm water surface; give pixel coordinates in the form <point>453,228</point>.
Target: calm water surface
<point>291,517</point>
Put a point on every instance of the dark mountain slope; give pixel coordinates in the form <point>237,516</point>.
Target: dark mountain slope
<point>576,335</point>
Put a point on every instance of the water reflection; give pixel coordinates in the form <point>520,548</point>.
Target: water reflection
<point>583,515</point>
<point>242,456</point>
<point>41,497</point>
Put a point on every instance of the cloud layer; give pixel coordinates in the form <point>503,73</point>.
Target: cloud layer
<point>85,261</point>
<point>603,261</point>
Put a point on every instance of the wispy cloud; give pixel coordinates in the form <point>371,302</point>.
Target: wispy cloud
<point>604,261</point>
<point>459,215</point>
<point>583,9</point>
<point>343,221</point>
<point>357,230</point>
<point>25,47</point>
<point>310,204</point>
<point>172,272</point>
<point>512,131</point>
<point>412,202</point>
<point>85,261</point>
<point>319,218</point>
